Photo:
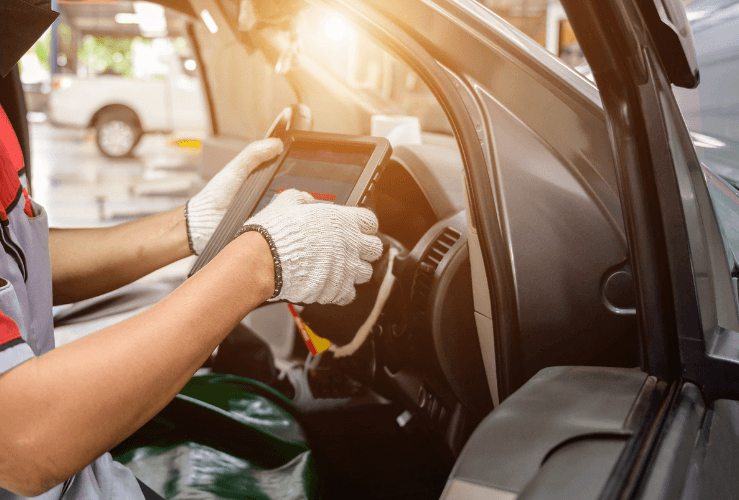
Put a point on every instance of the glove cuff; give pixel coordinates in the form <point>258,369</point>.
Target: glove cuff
<point>275,256</point>
<point>189,234</point>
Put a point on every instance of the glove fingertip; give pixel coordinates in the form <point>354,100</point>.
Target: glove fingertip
<point>294,197</point>
<point>272,142</point>
<point>264,145</point>
<point>306,198</point>
<point>364,273</point>
<point>251,156</point>
<point>367,220</point>
<point>260,151</point>
<point>345,300</point>
<point>371,248</point>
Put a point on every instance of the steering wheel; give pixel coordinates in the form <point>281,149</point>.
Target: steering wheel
<point>295,117</point>
<point>339,324</point>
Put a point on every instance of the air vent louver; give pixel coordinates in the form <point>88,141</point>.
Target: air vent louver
<point>424,278</point>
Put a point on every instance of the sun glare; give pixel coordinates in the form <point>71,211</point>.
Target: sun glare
<point>336,29</point>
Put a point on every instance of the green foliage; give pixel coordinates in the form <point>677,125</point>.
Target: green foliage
<point>98,54</point>
<point>109,54</point>
<point>113,54</point>
<point>181,46</point>
<point>42,48</point>
<point>64,33</point>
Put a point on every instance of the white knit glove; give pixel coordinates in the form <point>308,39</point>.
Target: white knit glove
<point>322,250</point>
<point>205,210</point>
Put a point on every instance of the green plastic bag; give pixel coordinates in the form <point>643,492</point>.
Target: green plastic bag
<point>223,437</point>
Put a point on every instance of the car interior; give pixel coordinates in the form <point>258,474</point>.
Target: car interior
<point>389,421</point>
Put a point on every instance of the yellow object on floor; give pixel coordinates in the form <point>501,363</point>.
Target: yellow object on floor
<point>185,143</point>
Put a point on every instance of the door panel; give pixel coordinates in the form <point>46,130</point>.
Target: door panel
<point>561,420</point>
<point>715,461</point>
<point>696,457</point>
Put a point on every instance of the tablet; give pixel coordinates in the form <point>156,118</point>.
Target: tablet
<point>333,168</point>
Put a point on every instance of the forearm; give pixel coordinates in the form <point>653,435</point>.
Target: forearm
<point>74,403</point>
<point>89,262</point>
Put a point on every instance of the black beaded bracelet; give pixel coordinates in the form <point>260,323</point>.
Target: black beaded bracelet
<point>189,236</point>
<point>275,256</point>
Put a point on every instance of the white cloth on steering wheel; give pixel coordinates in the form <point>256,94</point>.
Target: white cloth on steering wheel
<point>364,331</point>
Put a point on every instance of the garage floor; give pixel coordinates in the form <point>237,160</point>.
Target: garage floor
<point>79,187</point>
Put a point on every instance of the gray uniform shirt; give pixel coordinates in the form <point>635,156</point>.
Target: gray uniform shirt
<point>26,324</point>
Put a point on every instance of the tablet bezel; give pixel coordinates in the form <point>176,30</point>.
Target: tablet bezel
<point>371,171</point>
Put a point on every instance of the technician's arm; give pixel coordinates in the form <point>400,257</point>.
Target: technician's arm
<point>64,409</point>
<point>88,262</point>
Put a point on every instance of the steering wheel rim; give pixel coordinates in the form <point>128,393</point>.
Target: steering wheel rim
<point>294,117</point>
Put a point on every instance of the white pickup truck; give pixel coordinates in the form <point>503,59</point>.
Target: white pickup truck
<point>122,109</point>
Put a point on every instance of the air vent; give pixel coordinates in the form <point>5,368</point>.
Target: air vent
<point>424,278</point>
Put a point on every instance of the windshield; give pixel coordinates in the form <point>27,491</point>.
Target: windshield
<point>711,111</point>
<point>385,83</point>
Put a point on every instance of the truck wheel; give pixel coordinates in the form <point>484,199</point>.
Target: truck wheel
<point>117,133</point>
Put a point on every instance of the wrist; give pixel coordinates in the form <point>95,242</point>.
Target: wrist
<point>262,266</point>
<point>177,234</point>
<point>276,265</point>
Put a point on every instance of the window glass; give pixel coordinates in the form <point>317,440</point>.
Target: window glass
<point>546,23</point>
<point>384,83</point>
<point>711,111</point>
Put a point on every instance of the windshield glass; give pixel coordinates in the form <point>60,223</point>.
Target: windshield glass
<point>711,111</point>
<point>385,83</point>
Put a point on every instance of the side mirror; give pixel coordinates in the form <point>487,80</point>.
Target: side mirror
<point>673,38</point>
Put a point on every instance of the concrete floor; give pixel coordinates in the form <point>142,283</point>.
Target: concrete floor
<point>79,187</point>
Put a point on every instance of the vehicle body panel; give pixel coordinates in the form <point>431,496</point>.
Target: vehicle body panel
<point>684,294</point>
<point>77,104</point>
<point>174,103</point>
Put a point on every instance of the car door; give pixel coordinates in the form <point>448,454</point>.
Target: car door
<point>555,437</point>
<point>546,235</point>
<point>688,448</point>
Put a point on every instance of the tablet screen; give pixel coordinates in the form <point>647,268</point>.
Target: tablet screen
<point>328,174</point>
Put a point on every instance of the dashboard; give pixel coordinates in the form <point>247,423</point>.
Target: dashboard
<point>424,350</point>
